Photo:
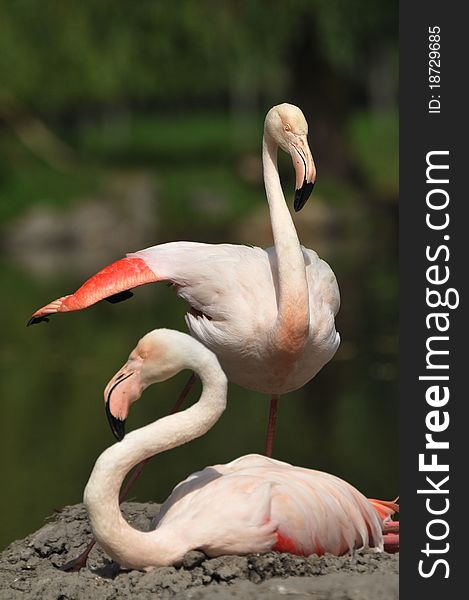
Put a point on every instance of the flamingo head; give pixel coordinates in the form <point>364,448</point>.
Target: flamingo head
<point>287,126</point>
<point>158,356</point>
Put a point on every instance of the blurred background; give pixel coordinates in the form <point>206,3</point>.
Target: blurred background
<point>124,125</point>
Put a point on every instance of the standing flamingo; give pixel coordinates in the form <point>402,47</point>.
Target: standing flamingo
<point>252,504</point>
<point>268,315</point>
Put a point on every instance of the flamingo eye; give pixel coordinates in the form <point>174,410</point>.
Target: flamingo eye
<point>141,352</point>
<point>287,126</point>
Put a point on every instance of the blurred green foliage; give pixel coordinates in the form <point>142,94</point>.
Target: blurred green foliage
<point>374,139</point>
<point>119,52</point>
<point>155,138</point>
<point>122,83</point>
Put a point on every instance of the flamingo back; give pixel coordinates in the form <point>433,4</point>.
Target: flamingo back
<point>257,504</point>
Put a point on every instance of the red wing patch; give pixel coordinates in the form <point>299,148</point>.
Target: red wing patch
<point>286,544</point>
<point>118,277</point>
<point>122,275</point>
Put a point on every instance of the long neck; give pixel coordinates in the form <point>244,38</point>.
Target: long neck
<point>126,545</point>
<point>291,328</point>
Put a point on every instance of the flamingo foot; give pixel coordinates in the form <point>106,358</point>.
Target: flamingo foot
<point>78,563</point>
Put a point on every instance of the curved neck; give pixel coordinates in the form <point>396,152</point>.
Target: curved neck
<point>126,545</point>
<point>291,328</point>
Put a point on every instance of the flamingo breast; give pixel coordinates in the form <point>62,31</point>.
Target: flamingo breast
<point>233,294</point>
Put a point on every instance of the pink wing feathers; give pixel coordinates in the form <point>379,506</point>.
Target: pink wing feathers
<point>212,278</point>
<point>386,509</point>
<point>111,281</point>
<point>258,504</point>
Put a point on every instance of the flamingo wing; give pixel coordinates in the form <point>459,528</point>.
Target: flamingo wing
<point>256,504</point>
<point>322,283</point>
<point>216,280</point>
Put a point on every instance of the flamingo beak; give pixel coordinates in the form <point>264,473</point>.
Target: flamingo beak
<point>305,170</point>
<point>117,426</point>
<point>123,389</point>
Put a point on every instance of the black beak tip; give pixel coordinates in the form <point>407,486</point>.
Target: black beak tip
<point>302,195</point>
<point>117,426</point>
<point>35,320</point>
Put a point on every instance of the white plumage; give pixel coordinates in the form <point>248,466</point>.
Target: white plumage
<point>267,314</point>
<point>252,504</point>
<point>233,290</point>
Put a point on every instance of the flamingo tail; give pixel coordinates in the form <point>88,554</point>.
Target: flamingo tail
<point>386,509</point>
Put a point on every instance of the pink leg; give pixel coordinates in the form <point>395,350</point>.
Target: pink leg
<point>391,536</point>
<point>76,564</point>
<point>80,561</point>
<point>269,442</point>
<point>185,392</point>
<point>391,527</point>
<point>391,543</point>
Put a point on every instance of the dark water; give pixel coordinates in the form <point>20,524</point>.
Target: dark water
<point>53,425</point>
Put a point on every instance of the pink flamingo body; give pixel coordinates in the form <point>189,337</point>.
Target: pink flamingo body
<point>252,504</point>
<point>232,292</point>
<point>267,314</point>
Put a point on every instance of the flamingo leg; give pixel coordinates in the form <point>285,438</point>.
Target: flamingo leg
<point>184,393</point>
<point>391,536</point>
<point>76,564</point>
<point>269,441</point>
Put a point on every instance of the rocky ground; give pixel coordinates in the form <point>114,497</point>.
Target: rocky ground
<point>28,569</point>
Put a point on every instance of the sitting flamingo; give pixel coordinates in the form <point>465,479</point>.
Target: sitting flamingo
<point>252,504</point>
<point>268,315</point>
